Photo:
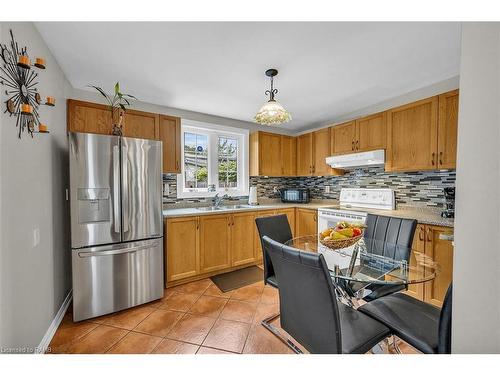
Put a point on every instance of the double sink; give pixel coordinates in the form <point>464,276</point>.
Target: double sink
<point>223,208</point>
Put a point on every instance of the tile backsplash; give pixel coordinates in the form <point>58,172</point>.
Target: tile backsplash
<point>412,188</point>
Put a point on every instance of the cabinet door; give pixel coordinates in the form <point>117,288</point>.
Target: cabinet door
<point>242,238</point>
<point>290,213</point>
<point>87,117</point>
<point>417,290</point>
<point>412,136</point>
<point>182,248</point>
<point>257,243</point>
<point>269,154</point>
<point>138,124</point>
<point>304,154</point>
<point>371,132</point>
<point>344,138</point>
<point>321,149</point>
<point>214,242</point>
<point>170,135</point>
<point>306,222</point>
<point>447,131</point>
<point>288,155</point>
<point>441,251</point>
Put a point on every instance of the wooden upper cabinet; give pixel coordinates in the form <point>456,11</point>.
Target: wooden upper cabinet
<point>343,138</point>
<point>447,130</point>
<point>305,154</point>
<point>139,124</point>
<point>170,135</point>
<point>288,156</point>
<point>322,144</point>
<point>371,132</point>
<point>85,117</point>
<point>412,132</point>
<point>265,154</point>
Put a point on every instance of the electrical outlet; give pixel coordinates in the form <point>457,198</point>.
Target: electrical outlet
<point>36,237</point>
<point>327,189</point>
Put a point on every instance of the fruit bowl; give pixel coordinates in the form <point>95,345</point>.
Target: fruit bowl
<point>341,243</point>
<point>343,235</point>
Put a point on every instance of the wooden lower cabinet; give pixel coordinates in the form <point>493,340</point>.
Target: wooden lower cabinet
<point>181,248</point>
<point>417,290</point>
<point>214,242</point>
<point>306,222</point>
<point>441,251</point>
<point>242,238</point>
<point>427,241</point>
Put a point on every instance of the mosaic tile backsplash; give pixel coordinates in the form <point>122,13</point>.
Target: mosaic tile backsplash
<point>411,188</point>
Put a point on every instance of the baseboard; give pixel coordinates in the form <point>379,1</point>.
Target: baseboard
<point>47,338</point>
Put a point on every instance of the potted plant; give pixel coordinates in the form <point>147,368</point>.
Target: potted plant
<point>118,103</point>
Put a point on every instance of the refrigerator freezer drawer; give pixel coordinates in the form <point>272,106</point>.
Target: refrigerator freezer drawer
<point>115,277</point>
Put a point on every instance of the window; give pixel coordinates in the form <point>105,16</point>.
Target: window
<point>215,160</point>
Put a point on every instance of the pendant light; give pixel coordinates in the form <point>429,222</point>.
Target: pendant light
<point>272,113</point>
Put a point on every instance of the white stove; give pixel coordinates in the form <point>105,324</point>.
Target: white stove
<point>350,199</point>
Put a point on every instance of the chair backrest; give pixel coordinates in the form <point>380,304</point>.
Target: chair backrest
<point>389,236</point>
<point>308,306</point>
<point>444,336</point>
<point>277,228</point>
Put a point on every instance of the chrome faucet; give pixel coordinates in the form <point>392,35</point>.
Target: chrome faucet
<point>218,200</point>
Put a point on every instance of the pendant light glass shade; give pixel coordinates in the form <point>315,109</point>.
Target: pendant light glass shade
<point>272,113</point>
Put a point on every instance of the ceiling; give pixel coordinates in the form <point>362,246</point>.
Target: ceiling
<point>326,70</point>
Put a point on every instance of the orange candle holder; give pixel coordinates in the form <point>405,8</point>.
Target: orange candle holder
<point>42,128</point>
<point>40,63</point>
<point>51,101</point>
<point>23,61</point>
<point>26,109</point>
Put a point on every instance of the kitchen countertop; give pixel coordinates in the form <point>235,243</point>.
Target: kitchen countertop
<point>423,215</point>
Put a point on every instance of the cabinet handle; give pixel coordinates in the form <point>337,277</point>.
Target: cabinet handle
<point>198,223</point>
<point>432,158</point>
<point>441,157</point>
<point>315,217</point>
<point>429,235</point>
<point>357,145</point>
<point>421,234</point>
<point>352,145</point>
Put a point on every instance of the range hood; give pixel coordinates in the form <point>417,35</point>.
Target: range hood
<point>359,159</point>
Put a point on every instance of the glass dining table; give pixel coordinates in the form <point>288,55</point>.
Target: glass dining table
<point>367,263</point>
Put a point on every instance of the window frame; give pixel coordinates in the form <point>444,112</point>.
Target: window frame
<point>213,131</point>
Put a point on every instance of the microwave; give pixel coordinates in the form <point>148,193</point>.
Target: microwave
<point>295,195</point>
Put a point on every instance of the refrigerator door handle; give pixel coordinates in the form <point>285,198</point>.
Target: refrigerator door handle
<point>116,189</point>
<point>125,208</point>
<point>87,254</point>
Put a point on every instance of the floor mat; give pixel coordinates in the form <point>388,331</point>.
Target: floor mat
<point>237,279</point>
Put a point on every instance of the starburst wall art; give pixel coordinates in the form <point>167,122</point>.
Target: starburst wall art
<point>20,82</point>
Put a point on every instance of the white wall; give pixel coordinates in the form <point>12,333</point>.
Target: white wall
<point>476,272</point>
<point>33,178</point>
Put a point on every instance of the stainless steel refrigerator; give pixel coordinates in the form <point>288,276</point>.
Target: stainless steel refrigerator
<point>116,223</point>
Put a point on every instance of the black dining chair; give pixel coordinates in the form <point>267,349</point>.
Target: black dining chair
<point>389,237</point>
<point>423,326</point>
<point>309,309</point>
<point>276,227</point>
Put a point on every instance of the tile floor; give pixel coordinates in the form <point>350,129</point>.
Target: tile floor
<point>194,318</point>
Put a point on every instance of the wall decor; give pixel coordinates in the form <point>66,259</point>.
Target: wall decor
<point>20,80</point>
<point>118,103</point>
